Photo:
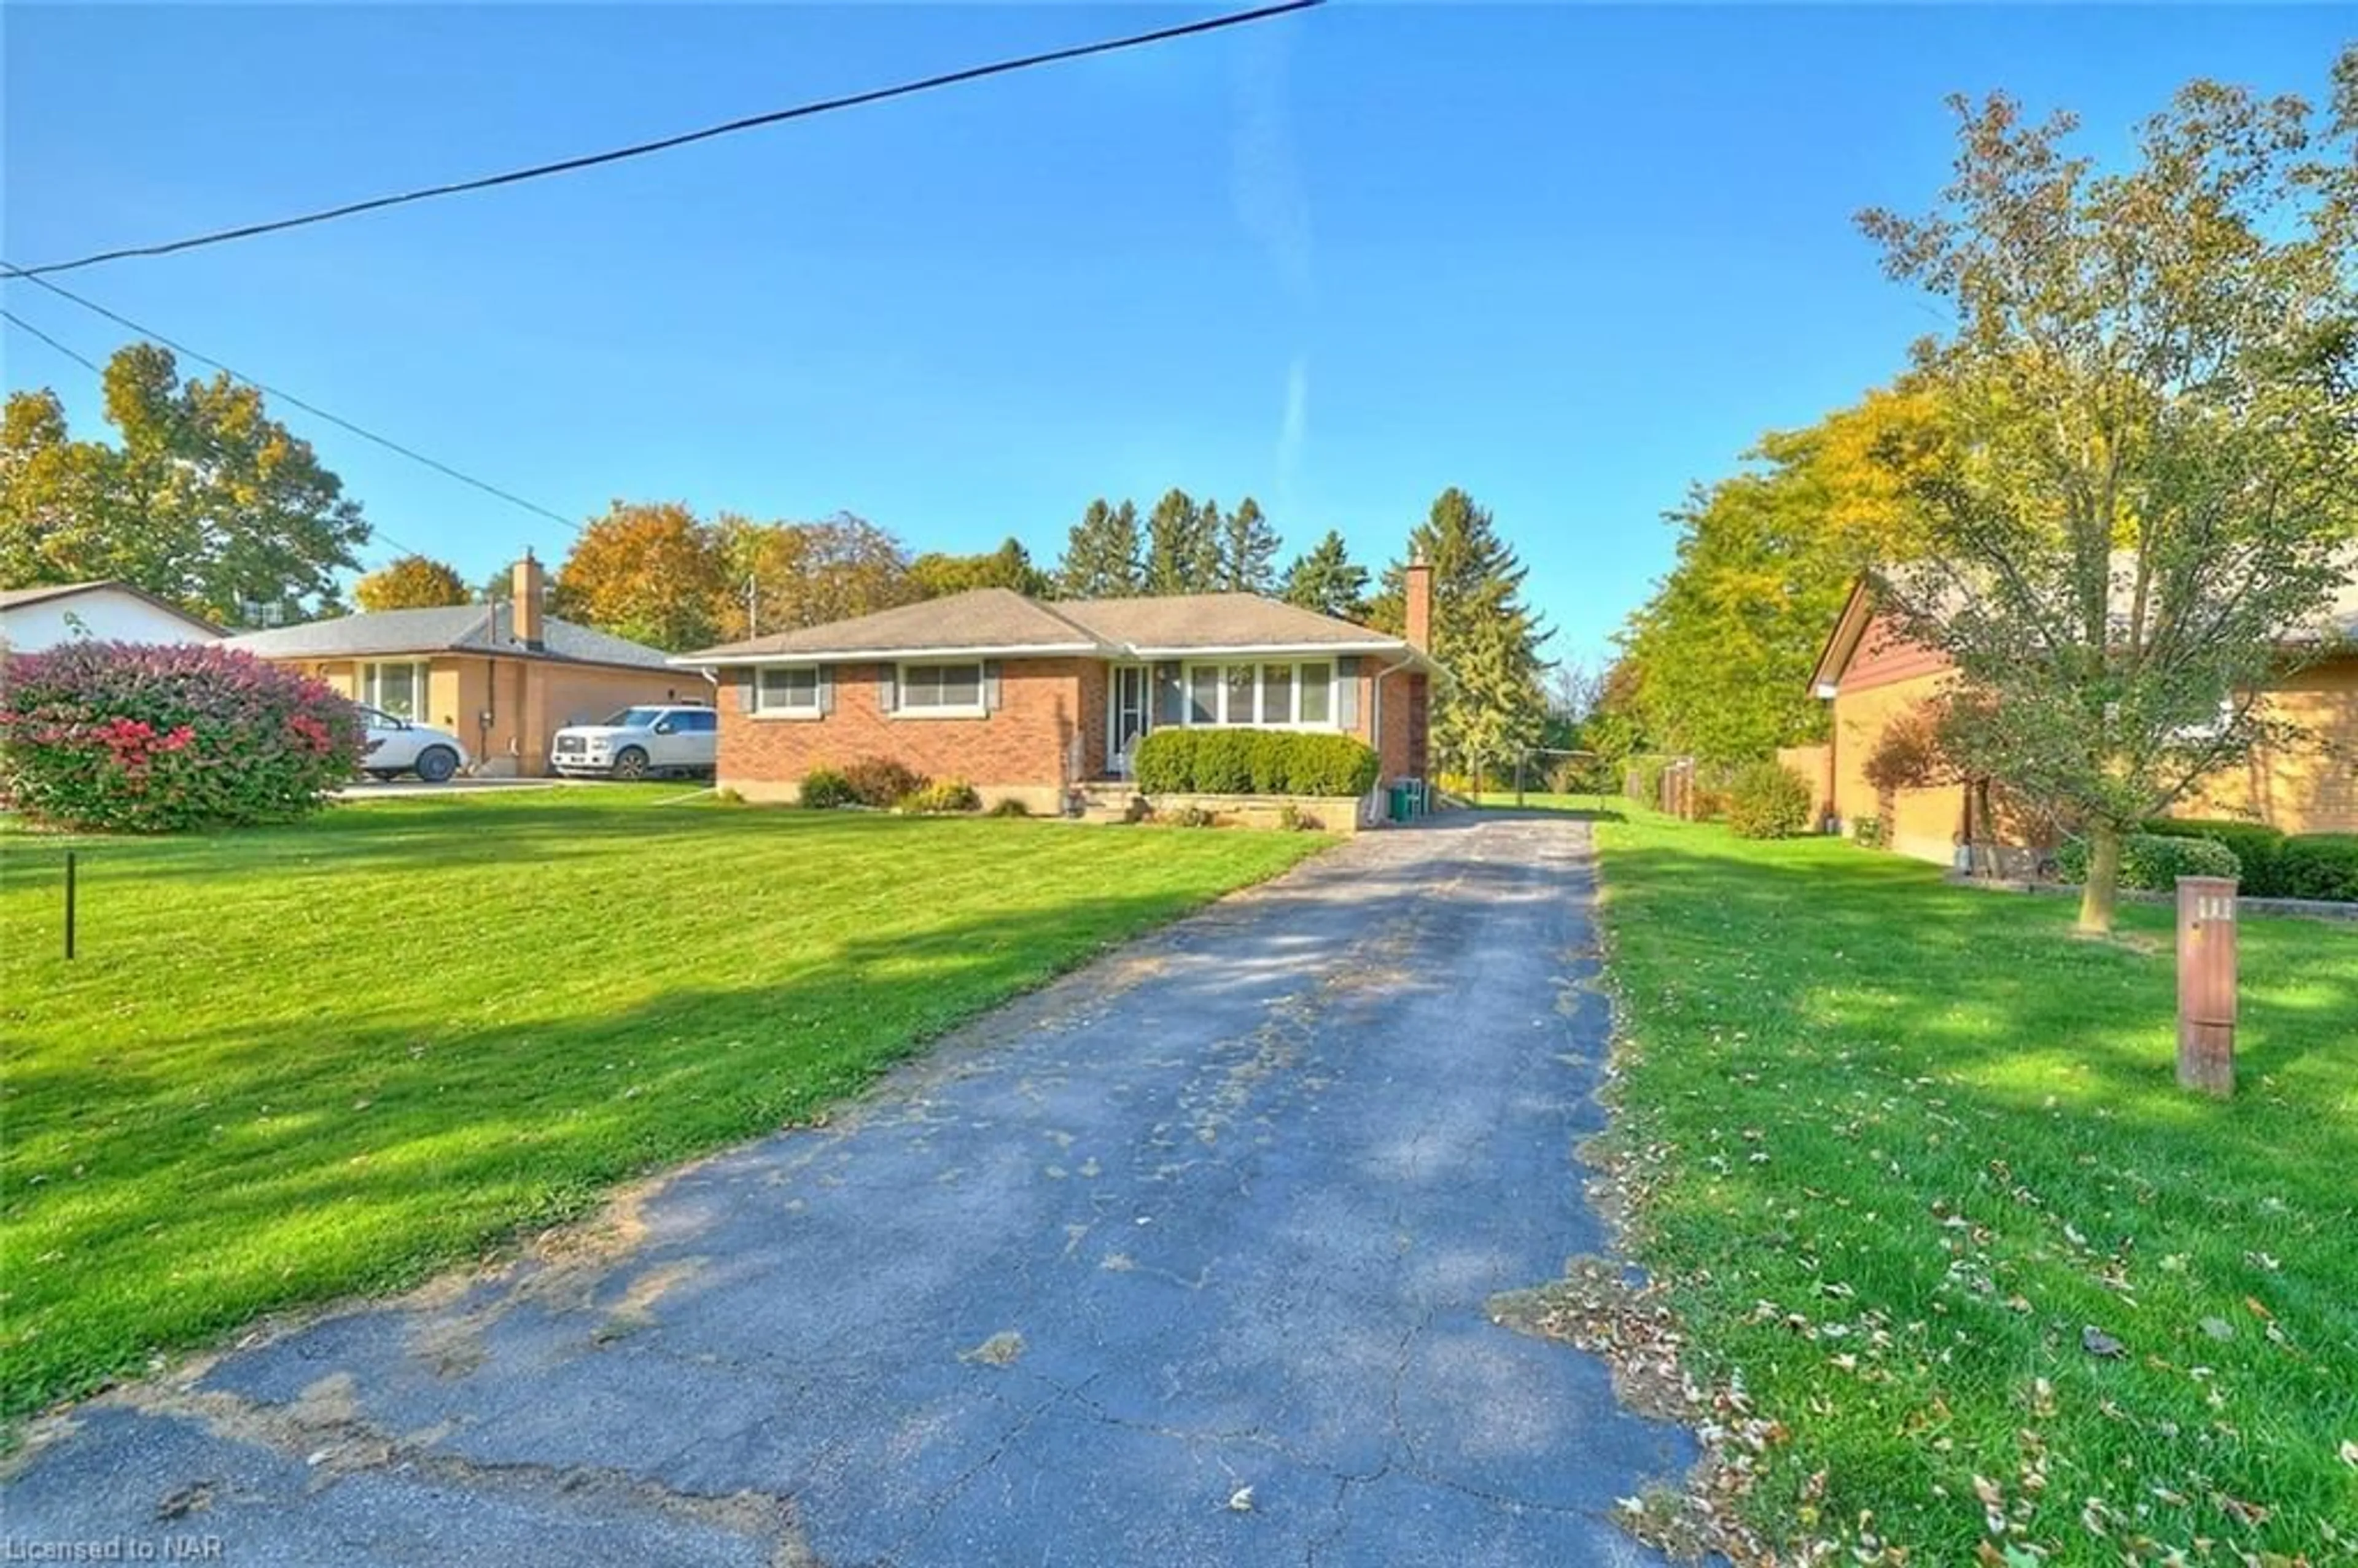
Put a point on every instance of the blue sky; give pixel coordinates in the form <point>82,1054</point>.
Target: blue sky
<point>1572,258</point>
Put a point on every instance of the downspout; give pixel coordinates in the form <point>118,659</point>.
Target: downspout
<point>1376,721</point>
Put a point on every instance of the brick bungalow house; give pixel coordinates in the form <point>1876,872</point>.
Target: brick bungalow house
<point>1870,673</point>
<point>503,677</point>
<point>1029,699</point>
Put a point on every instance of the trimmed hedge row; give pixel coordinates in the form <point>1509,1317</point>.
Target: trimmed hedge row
<point>2308,865</point>
<point>2153,861</point>
<point>1254,761</point>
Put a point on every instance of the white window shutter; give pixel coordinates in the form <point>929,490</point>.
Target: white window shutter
<point>745,690</point>
<point>826,688</point>
<point>887,694</point>
<point>1346,692</point>
<point>990,686</point>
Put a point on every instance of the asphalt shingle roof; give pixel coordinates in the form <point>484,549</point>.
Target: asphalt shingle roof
<point>997,618</point>
<point>458,628</point>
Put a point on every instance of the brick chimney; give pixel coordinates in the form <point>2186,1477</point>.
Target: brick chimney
<point>1416,595</point>
<point>528,590</point>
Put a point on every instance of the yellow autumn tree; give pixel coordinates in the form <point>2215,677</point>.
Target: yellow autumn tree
<point>650,571</point>
<point>411,582</point>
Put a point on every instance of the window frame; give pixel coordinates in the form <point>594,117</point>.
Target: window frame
<point>765,707</point>
<point>902,708</point>
<point>372,693</point>
<point>1219,670</point>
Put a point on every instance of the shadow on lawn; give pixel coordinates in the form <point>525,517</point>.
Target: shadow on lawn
<point>1874,949</point>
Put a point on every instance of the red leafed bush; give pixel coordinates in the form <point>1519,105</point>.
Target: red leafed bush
<point>126,737</point>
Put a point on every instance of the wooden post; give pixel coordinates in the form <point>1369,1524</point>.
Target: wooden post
<point>2206,984</point>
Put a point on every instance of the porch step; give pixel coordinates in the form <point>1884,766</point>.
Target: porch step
<point>1108,800</point>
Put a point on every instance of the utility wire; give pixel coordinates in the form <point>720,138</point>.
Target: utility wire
<point>641,149</point>
<point>18,321</point>
<point>288,397</point>
<point>376,535</point>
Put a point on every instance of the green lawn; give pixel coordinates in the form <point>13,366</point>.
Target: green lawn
<point>1914,1139</point>
<point>295,1063</point>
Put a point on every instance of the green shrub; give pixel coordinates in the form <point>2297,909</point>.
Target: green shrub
<point>2152,862</point>
<point>1643,781</point>
<point>881,782</point>
<point>125,738</point>
<point>1166,761</point>
<point>1188,817</point>
<point>2257,847</point>
<point>1269,754</point>
<point>2320,865</point>
<point>940,797</point>
<point>826,788</point>
<point>1330,764</point>
<point>1867,830</point>
<point>1768,800</point>
<point>1254,761</point>
<point>1009,806</point>
<point>1224,762</point>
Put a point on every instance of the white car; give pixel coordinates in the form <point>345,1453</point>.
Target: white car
<point>392,746</point>
<point>638,742</point>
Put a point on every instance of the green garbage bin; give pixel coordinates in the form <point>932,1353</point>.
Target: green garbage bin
<point>1399,802</point>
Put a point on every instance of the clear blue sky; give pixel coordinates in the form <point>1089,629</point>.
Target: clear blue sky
<point>1571,258</point>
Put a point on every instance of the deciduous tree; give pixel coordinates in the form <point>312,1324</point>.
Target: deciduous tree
<point>207,501</point>
<point>935,574</point>
<point>778,576</point>
<point>2152,477</point>
<point>411,582</point>
<point>646,570</point>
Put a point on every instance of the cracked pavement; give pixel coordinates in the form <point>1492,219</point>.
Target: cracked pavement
<point>1223,1211</point>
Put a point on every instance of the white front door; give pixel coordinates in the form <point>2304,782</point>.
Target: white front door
<point>1127,715</point>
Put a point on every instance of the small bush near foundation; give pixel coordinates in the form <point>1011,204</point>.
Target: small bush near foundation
<point>1009,806</point>
<point>941,797</point>
<point>826,788</point>
<point>1867,830</point>
<point>2258,849</point>
<point>881,782</point>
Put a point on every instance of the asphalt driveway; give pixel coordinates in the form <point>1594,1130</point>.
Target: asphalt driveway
<point>1182,1261</point>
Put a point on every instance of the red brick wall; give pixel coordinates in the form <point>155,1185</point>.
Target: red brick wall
<point>1025,745</point>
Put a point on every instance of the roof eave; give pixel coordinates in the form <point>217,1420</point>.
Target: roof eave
<point>716,658</point>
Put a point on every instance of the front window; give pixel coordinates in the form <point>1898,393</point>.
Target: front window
<point>397,689</point>
<point>952,689</point>
<point>793,691</point>
<point>634,718</point>
<point>1289,695</point>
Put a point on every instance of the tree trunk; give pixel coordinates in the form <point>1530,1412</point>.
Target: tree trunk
<point>2104,878</point>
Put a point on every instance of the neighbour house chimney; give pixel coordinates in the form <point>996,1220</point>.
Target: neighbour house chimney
<point>528,590</point>
<point>1416,594</point>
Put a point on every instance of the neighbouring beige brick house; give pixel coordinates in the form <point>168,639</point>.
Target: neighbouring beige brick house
<point>503,678</point>
<point>1031,700</point>
<point>1870,673</point>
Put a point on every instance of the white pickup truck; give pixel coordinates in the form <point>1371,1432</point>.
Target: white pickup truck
<point>639,742</point>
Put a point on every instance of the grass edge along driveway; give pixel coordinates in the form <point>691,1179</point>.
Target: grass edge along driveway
<point>1897,1145</point>
<point>296,1063</point>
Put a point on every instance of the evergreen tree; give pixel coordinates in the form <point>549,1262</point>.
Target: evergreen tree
<point>1101,554</point>
<point>1327,580</point>
<point>1182,545</point>
<point>1248,552</point>
<point>1483,634</point>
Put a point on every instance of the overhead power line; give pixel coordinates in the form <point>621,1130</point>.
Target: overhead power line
<point>21,324</point>
<point>390,445</point>
<point>664,144</point>
<point>377,536</point>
